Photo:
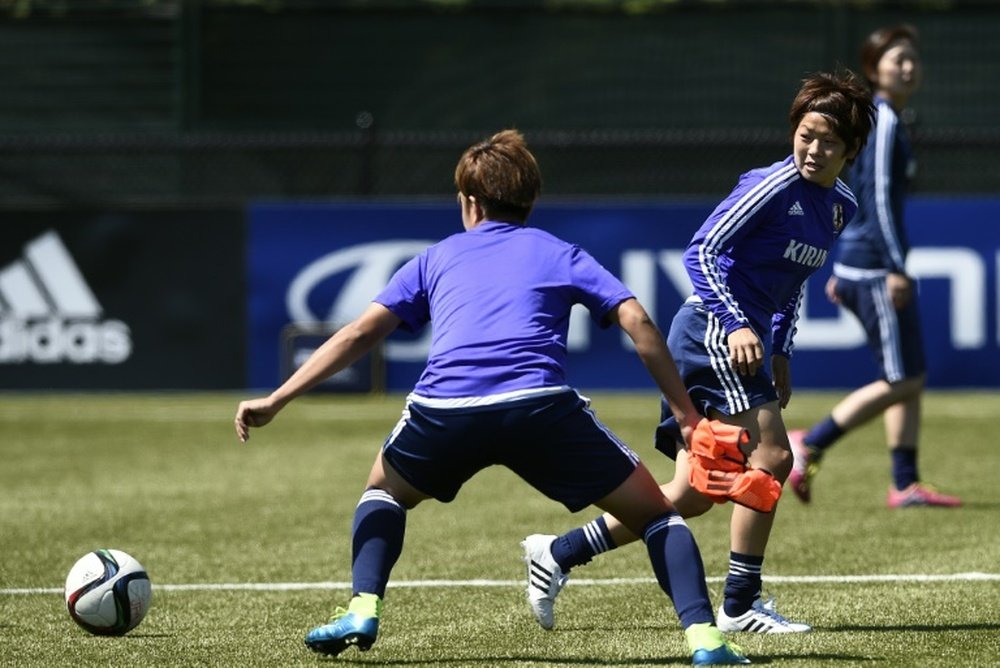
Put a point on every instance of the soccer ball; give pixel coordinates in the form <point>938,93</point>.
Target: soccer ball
<point>107,592</point>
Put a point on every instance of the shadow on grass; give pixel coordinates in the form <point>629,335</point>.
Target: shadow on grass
<point>934,628</point>
<point>500,660</point>
<point>977,505</point>
<point>549,661</point>
<point>668,660</point>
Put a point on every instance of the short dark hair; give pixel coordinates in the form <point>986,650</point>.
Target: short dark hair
<point>502,174</point>
<point>842,98</point>
<point>878,42</point>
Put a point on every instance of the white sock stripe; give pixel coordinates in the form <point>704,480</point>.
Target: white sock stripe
<point>658,525</point>
<point>661,524</point>
<point>595,538</point>
<point>745,566</point>
<point>740,568</point>
<point>379,495</point>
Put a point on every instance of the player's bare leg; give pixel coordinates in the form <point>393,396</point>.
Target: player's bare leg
<point>899,402</point>
<point>869,401</point>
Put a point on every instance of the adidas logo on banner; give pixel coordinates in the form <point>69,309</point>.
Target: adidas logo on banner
<point>796,209</point>
<point>48,313</point>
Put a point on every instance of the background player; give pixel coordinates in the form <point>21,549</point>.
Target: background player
<point>869,279</point>
<point>748,263</point>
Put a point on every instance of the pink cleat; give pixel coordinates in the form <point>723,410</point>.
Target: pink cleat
<point>920,494</point>
<point>804,467</point>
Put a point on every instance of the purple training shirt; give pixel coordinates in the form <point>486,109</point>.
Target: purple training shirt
<point>499,296</point>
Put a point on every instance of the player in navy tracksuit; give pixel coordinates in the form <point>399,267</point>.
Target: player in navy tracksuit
<point>494,392</point>
<point>869,278</point>
<point>732,339</point>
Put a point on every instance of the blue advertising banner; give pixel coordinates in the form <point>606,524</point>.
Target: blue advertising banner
<point>323,262</point>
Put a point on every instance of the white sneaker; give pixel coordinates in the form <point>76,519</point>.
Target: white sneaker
<point>760,618</point>
<point>545,578</point>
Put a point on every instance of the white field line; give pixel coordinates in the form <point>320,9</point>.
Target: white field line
<point>583,582</point>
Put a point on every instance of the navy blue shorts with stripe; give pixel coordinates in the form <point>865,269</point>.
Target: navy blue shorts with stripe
<point>554,442</point>
<point>697,342</point>
<point>894,337</point>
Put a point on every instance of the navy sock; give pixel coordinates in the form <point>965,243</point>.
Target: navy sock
<point>904,466</point>
<point>743,583</point>
<point>678,568</point>
<point>580,545</point>
<point>377,540</point>
<point>823,434</point>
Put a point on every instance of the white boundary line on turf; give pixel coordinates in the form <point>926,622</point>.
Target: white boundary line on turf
<point>308,586</point>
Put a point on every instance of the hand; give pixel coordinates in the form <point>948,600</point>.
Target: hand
<point>900,289</point>
<point>746,353</point>
<point>831,290</point>
<point>781,375</point>
<point>254,413</point>
<point>688,426</point>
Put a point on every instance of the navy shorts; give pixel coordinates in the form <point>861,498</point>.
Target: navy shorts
<point>698,343</point>
<point>894,337</point>
<point>554,442</point>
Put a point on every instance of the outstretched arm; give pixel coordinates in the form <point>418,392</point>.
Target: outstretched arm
<point>653,351</point>
<point>346,346</point>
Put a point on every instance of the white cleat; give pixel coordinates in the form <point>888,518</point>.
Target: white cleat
<point>760,618</point>
<point>545,578</point>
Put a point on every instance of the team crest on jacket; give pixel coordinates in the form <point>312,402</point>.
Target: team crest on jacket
<point>838,217</point>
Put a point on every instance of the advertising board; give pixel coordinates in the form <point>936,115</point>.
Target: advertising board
<point>325,261</point>
<point>122,301</point>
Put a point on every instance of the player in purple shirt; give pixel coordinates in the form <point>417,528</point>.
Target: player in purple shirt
<point>748,263</point>
<point>485,343</point>
<point>869,279</point>
<point>494,392</point>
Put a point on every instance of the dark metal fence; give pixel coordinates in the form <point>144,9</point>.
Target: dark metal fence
<point>182,104</point>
